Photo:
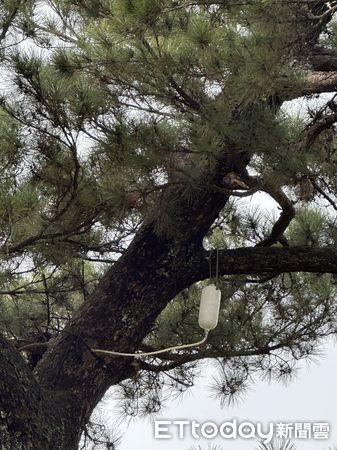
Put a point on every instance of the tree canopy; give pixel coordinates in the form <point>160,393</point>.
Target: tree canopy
<point>133,134</point>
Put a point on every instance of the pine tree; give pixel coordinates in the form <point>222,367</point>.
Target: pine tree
<point>132,133</point>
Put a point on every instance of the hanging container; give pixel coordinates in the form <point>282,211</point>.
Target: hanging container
<point>209,307</point>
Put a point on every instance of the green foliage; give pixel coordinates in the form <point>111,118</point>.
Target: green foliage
<point>310,228</point>
<point>36,306</point>
<point>112,107</point>
<point>263,330</point>
<point>10,144</point>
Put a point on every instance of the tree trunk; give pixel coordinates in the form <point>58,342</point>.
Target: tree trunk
<point>48,410</point>
<point>30,418</point>
<point>121,312</point>
<point>53,406</point>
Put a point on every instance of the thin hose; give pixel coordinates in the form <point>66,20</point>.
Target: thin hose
<point>157,352</point>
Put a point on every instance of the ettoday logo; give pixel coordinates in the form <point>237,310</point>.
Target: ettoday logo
<point>233,429</point>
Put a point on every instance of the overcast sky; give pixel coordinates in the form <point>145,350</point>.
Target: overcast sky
<point>310,397</point>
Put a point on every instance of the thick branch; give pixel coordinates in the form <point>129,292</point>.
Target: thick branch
<point>323,59</point>
<point>258,260</point>
<point>318,127</point>
<point>317,82</point>
<point>154,269</point>
<point>286,216</point>
<point>124,306</point>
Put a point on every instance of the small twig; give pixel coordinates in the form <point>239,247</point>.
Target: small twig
<point>323,194</point>
<point>326,15</point>
<point>56,33</point>
<point>47,300</point>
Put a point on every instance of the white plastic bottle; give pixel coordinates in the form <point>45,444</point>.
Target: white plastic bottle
<point>209,307</point>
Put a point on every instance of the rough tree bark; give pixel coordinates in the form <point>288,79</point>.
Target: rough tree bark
<point>118,315</point>
<point>47,410</point>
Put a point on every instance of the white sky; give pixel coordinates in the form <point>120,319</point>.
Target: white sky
<point>310,397</point>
